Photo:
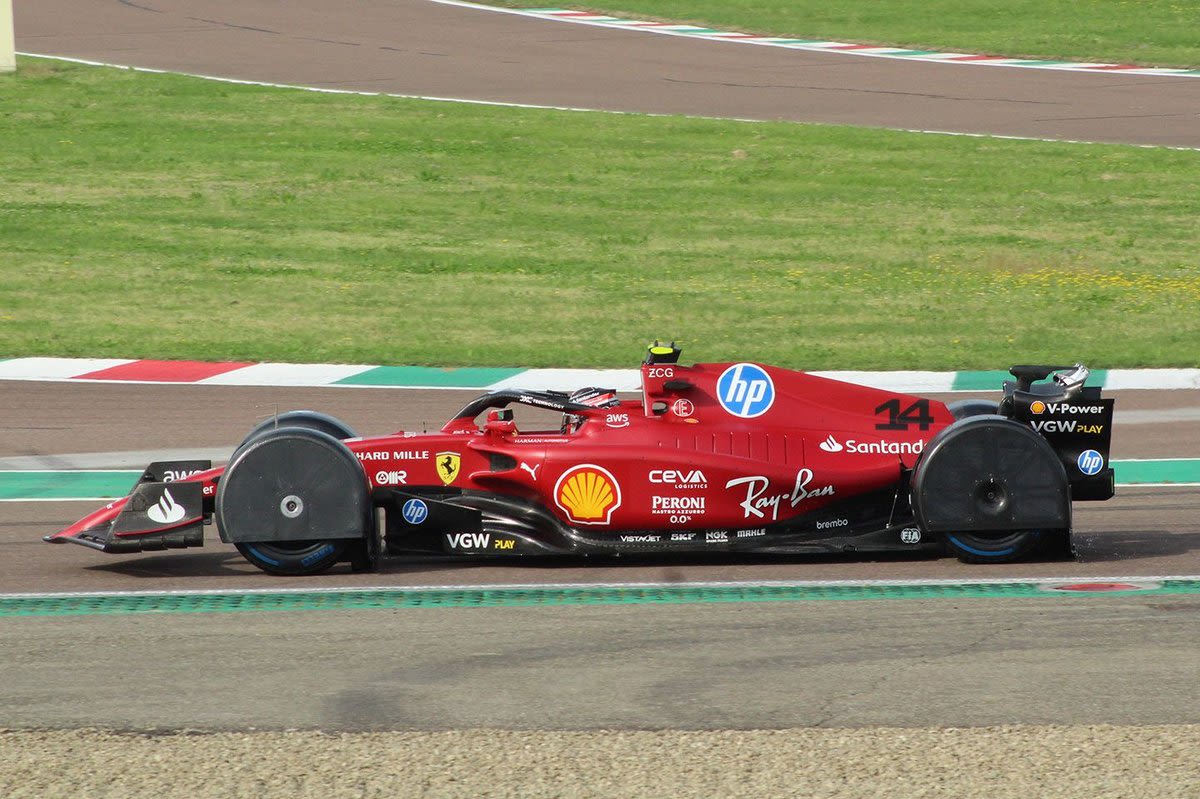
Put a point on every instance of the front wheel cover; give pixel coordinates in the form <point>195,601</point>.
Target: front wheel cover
<point>293,500</point>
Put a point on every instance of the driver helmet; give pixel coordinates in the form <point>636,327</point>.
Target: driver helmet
<point>593,397</point>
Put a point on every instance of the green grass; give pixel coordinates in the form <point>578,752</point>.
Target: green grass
<point>162,216</point>
<point>1151,32</point>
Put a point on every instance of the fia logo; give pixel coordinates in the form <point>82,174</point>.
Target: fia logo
<point>745,390</point>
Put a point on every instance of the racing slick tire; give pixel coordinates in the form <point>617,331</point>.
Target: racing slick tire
<point>293,558</point>
<point>961,409</point>
<point>993,548</point>
<point>293,500</point>
<point>992,489</point>
<point>313,420</point>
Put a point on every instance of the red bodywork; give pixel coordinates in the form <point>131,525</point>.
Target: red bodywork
<point>707,446</point>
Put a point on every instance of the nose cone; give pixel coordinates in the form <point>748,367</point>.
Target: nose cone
<point>99,519</point>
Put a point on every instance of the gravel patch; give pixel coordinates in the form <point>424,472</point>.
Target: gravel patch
<point>994,762</point>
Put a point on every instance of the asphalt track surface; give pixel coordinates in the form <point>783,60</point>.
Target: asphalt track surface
<point>1144,531</point>
<point>418,47</point>
<point>922,662</point>
<point>912,662</point>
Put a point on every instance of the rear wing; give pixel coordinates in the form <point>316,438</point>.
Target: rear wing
<point>1073,418</point>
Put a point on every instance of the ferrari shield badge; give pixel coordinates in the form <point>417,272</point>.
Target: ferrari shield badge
<point>448,464</point>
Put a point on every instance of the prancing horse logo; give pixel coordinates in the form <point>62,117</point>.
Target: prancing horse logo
<point>448,464</point>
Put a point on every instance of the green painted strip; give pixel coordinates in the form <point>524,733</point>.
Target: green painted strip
<point>18,486</point>
<point>467,377</point>
<point>66,485</point>
<point>980,381</point>
<point>1174,470</point>
<point>992,380</point>
<point>390,599</point>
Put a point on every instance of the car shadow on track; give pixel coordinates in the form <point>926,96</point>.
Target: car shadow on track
<point>661,568</point>
<point>1134,545</point>
<point>668,567</point>
<point>1092,548</point>
<point>172,564</point>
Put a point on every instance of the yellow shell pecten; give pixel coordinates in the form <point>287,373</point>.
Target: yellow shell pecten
<point>587,494</point>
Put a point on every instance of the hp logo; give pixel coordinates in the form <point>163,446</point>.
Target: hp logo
<point>415,511</point>
<point>745,390</point>
<point>1090,462</point>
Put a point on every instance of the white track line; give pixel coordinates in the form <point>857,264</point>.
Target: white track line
<point>60,499</point>
<point>393,589</point>
<point>534,106</point>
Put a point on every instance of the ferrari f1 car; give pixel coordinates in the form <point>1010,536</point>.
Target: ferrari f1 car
<point>734,457</point>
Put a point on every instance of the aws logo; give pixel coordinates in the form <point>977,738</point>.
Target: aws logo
<point>588,494</point>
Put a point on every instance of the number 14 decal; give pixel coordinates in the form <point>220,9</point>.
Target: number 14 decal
<point>917,413</point>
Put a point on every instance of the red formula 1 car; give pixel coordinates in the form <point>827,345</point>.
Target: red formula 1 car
<point>728,456</point>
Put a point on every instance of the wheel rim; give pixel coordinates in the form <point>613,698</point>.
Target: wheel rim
<point>291,506</point>
<point>991,497</point>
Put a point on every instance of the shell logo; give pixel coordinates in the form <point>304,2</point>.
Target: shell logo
<point>1038,407</point>
<point>588,494</point>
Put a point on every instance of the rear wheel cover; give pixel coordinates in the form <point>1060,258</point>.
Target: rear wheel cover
<point>990,488</point>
